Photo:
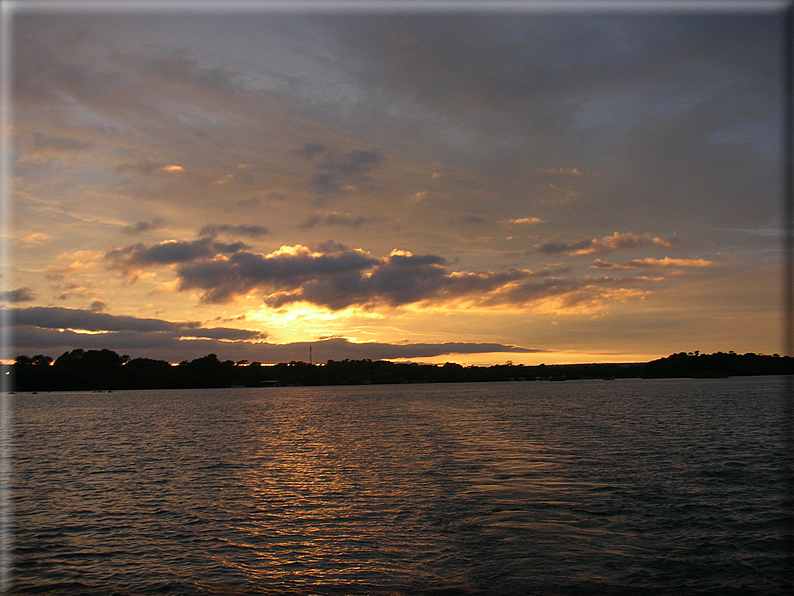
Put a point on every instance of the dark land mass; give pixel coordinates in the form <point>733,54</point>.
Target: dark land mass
<point>104,370</point>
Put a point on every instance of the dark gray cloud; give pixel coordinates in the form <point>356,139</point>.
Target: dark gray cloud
<point>69,318</point>
<point>224,279</point>
<point>310,150</point>
<point>335,219</point>
<point>108,325</point>
<point>253,231</point>
<point>98,306</point>
<point>167,346</point>
<point>470,219</point>
<point>348,278</point>
<point>330,247</point>
<point>336,171</point>
<point>481,67</point>
<point>19,295</point>
<point>341,277</point>
<point>677,113</point>
<point>145,226</point>
<point>137,256</point>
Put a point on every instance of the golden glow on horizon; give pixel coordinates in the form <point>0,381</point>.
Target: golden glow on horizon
<point>534,358</point>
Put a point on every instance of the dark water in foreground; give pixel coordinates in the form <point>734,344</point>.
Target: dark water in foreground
<point>511,488</point>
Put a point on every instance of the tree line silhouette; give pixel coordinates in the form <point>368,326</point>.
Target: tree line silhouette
<point>100,370</point>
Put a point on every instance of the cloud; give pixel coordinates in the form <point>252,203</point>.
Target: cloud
<point>80,263</point>
<point>163,346</point>
<point>599,264</point>
<point>471,219</point>
<point>668,262</point>
<point>43,329</point>
<point>224,278</point>
<point>339,172</point>
<point>526,220</point>
<point>253,231</point>
<point>147,166</point>
<point>240,174</point>
<point>169,252</point>
<point>617,241</point>
<point>330,247</point>
<point>56,318</point>
<point>144,226</point>
<point>19,295</point>
<point>337,277</point>
<point>41,143</point>
<point>335,219</point>
<point>36,238</point>
<point>310,150</point>
<point>98,306</point>
<point>651,262</point>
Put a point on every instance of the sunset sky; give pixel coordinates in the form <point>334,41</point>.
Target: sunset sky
<point>471,185</point>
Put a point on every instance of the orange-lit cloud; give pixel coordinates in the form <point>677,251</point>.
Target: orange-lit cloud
<point>75,262</point>
<point>526,220</point>
<point>37,238</point>
<point>651,262</point>
<point>617,241</point>
<point>342,277</point>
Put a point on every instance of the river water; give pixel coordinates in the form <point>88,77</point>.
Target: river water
<point>607,487</point>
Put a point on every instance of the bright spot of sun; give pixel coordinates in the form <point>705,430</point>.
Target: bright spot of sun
<point>306,322</point>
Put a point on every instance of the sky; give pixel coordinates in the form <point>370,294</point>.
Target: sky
<point>474,185</point>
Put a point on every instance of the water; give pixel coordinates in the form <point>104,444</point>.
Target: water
<point>504,488</point>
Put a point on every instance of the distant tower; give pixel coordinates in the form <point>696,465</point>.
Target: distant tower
<point>310,355</point>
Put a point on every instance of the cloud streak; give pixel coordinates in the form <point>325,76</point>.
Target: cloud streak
<point>615,242</point>
<point>651,262</point>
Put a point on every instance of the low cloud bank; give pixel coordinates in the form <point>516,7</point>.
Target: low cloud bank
<point>52,331</point>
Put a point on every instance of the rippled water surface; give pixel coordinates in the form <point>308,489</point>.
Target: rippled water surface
<point>503,488</point>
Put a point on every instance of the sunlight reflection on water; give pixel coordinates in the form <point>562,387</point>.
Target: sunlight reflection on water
<point>493,488</point>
